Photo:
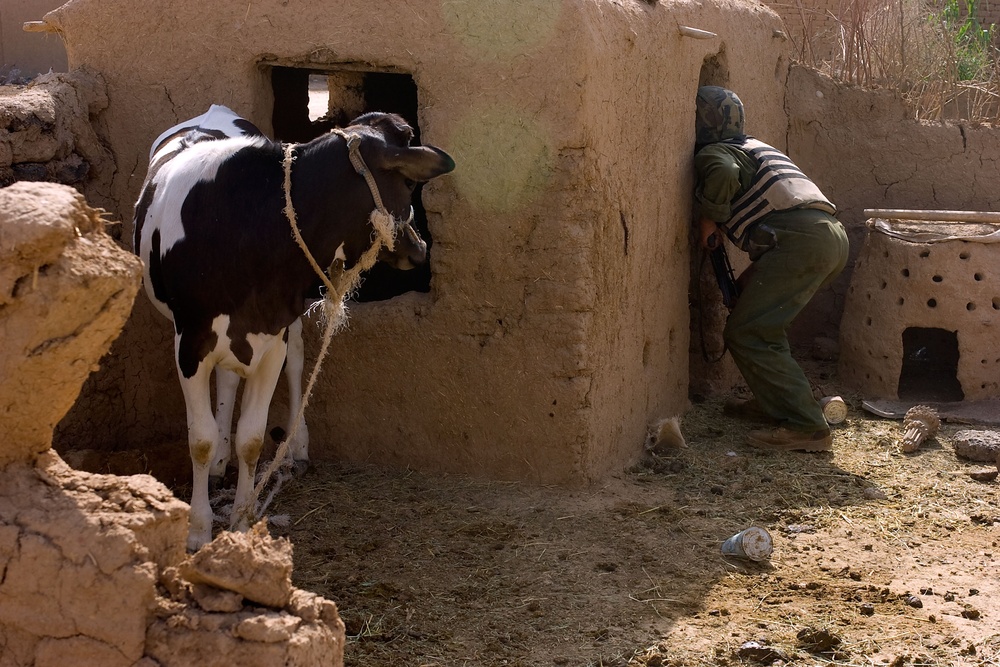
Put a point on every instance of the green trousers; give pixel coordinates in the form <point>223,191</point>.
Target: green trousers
<point>811,251</point>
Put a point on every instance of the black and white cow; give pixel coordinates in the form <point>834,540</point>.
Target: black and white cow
<point>221,122</point>
<point>221,262</point>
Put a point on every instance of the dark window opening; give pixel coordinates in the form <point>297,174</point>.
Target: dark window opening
<point>714,71</point>
<point>930,366</point>
<point>310,102</point>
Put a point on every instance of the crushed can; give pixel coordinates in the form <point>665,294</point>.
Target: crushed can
<point>834,409</point>
<point>754,543</point>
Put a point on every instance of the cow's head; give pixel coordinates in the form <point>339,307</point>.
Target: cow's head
<point>398,167</point>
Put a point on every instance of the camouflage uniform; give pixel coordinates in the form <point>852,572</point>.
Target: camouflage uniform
<point>810,250</point>
<point>720,115</point>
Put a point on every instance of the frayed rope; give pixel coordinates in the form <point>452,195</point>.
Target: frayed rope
<point>332,308</point>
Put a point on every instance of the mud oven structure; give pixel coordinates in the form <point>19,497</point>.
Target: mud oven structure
<point>922,316</point>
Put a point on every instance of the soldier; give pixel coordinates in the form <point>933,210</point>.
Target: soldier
<point>766,206</point>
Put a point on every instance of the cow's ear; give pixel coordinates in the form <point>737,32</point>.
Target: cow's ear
<point>419,163</point>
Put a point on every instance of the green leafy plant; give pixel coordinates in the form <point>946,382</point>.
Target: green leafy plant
<point>972,42</point>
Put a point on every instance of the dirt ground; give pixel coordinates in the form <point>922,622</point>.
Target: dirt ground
<point>880,557</point>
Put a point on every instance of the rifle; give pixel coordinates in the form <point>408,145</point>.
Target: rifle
<point>724,273</point>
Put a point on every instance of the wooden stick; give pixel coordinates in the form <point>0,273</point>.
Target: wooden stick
<point>38,26</point>
<point>933,216</point>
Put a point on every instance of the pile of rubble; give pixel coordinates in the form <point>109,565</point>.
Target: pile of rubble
<point>93,569</point>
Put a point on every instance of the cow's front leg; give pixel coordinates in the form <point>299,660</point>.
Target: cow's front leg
<point>294,364</point>
<point>226,383</point>
<point>250,430</point>
<point>203,437</point>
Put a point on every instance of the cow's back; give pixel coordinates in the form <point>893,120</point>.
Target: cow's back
<point>211,232</point>
<point>219,122</point>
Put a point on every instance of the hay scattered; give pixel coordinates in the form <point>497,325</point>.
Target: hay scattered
<point>446,570</point>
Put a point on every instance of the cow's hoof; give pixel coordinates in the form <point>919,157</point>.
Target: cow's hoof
<point>195,542</point>
<point>300,468</point>
<point>239,526</point>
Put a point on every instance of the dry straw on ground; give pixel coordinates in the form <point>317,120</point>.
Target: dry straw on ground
<point>434,570</point>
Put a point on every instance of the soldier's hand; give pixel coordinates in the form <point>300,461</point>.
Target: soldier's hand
<point>711,235</point>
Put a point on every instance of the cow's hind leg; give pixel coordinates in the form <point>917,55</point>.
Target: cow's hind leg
<point>203,435</point>
<point>294,365</point>
<point>250,430</point>
<point>226,383</point>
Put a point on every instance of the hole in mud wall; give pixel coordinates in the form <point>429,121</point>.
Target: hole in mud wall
<point>309,102</point>
<point>930,366</point>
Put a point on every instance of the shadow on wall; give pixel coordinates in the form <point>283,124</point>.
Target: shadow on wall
<point>711,370</point>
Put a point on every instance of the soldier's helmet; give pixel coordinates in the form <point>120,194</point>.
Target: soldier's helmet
<point>719,115</point>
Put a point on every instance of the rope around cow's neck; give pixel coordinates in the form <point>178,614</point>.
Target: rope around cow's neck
<point>334,309</point>
<point>381,220</point>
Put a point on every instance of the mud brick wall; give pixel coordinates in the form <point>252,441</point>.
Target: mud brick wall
<point>813,25</point>
<point>47,133</point>
<point>22,54</point>
<point>556,325</point>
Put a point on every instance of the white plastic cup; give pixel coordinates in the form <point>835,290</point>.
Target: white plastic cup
<point>754,543</point>
<point>834,409</point>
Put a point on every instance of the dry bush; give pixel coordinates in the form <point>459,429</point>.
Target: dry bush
<point>937,56</point>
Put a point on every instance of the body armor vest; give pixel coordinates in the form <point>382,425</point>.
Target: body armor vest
<point>778,185</point>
